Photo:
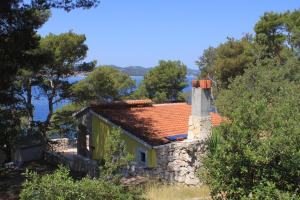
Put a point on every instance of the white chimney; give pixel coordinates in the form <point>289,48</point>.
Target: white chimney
<point>200,120</point>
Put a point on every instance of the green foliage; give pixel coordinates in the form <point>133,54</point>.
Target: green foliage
<point>67,50</point>
<point>226,61</point>
<point>62,121</point>
<point>268,191</point>
<point>86,66</point>
<point>115,157</point>
<point>103,84</point>
<point>19,23</point>
<point>19,50</point>
<point>257,153</point>
<point>213,142</point>
<point>60,185</point>
<point>160,97</point>
<point>270,33</point>
<point>206,62</point>
<point>139,93</point>
<point>278,35</point>
<point>18,40</point>
<point>165,82</point>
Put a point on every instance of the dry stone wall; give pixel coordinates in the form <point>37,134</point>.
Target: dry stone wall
<point>177,162</point>
<point>61,144</point>
<point>75,163</point>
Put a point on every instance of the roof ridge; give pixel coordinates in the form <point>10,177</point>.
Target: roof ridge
<point>170,104</point>
<point>128,102</point>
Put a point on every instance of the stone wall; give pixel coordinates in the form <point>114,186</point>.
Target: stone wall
<point>75,163</point>
<point>61,144</point>
<point>25,154</point>
<point>199,127</point>
<point>177,162</point>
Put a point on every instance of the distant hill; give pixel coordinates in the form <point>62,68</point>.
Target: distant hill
<point>135,70</point>
<point>141,71</point>
<point>192,72</point>
<point>132,70</point>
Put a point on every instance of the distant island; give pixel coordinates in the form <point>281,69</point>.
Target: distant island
<point>141,71</point>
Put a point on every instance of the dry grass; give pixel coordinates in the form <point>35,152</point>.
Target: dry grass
<point>176,192</point>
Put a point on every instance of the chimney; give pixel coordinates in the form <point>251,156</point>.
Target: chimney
<point>200,120</point>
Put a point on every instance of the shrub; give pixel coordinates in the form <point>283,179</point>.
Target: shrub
<point>60,185</point>
<point>116,157</point>
<point>256,155</point>
<point>268,191</point>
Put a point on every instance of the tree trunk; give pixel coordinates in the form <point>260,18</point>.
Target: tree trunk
<point>29,105</point>
<point>50,107</point>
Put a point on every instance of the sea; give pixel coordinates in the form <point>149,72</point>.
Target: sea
<point>41,105</point>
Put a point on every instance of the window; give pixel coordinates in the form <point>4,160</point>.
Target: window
<point>142,156</point>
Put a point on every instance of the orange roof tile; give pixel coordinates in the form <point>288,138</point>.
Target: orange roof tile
<point>216,119</point>
<point>152,123</point>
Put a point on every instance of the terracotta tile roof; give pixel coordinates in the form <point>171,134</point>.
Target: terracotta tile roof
<point>216,119</point>
<point>152,123</point>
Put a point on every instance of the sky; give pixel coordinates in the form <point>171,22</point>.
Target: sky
<point>142,32</point>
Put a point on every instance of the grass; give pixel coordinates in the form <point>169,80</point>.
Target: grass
<point>176,192</point>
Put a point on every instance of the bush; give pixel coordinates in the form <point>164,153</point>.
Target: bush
<point>268,191</point>
<point>256,154</point>
<point>60,185</point>
<point>116,157</point>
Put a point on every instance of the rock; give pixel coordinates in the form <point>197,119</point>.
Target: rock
<point>190,180</point>
<point>180,179</point>
<point>9,165</point>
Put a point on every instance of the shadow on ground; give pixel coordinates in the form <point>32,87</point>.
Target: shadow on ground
<point>11,179</point>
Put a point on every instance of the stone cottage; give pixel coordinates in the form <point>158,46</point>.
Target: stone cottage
<point>165,139</point>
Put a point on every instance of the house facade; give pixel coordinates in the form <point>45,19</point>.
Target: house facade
<point>166,140</point>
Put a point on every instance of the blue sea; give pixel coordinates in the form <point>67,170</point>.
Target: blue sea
<point>41,104</point>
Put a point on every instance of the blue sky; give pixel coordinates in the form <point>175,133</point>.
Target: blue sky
<point>140,32</point>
